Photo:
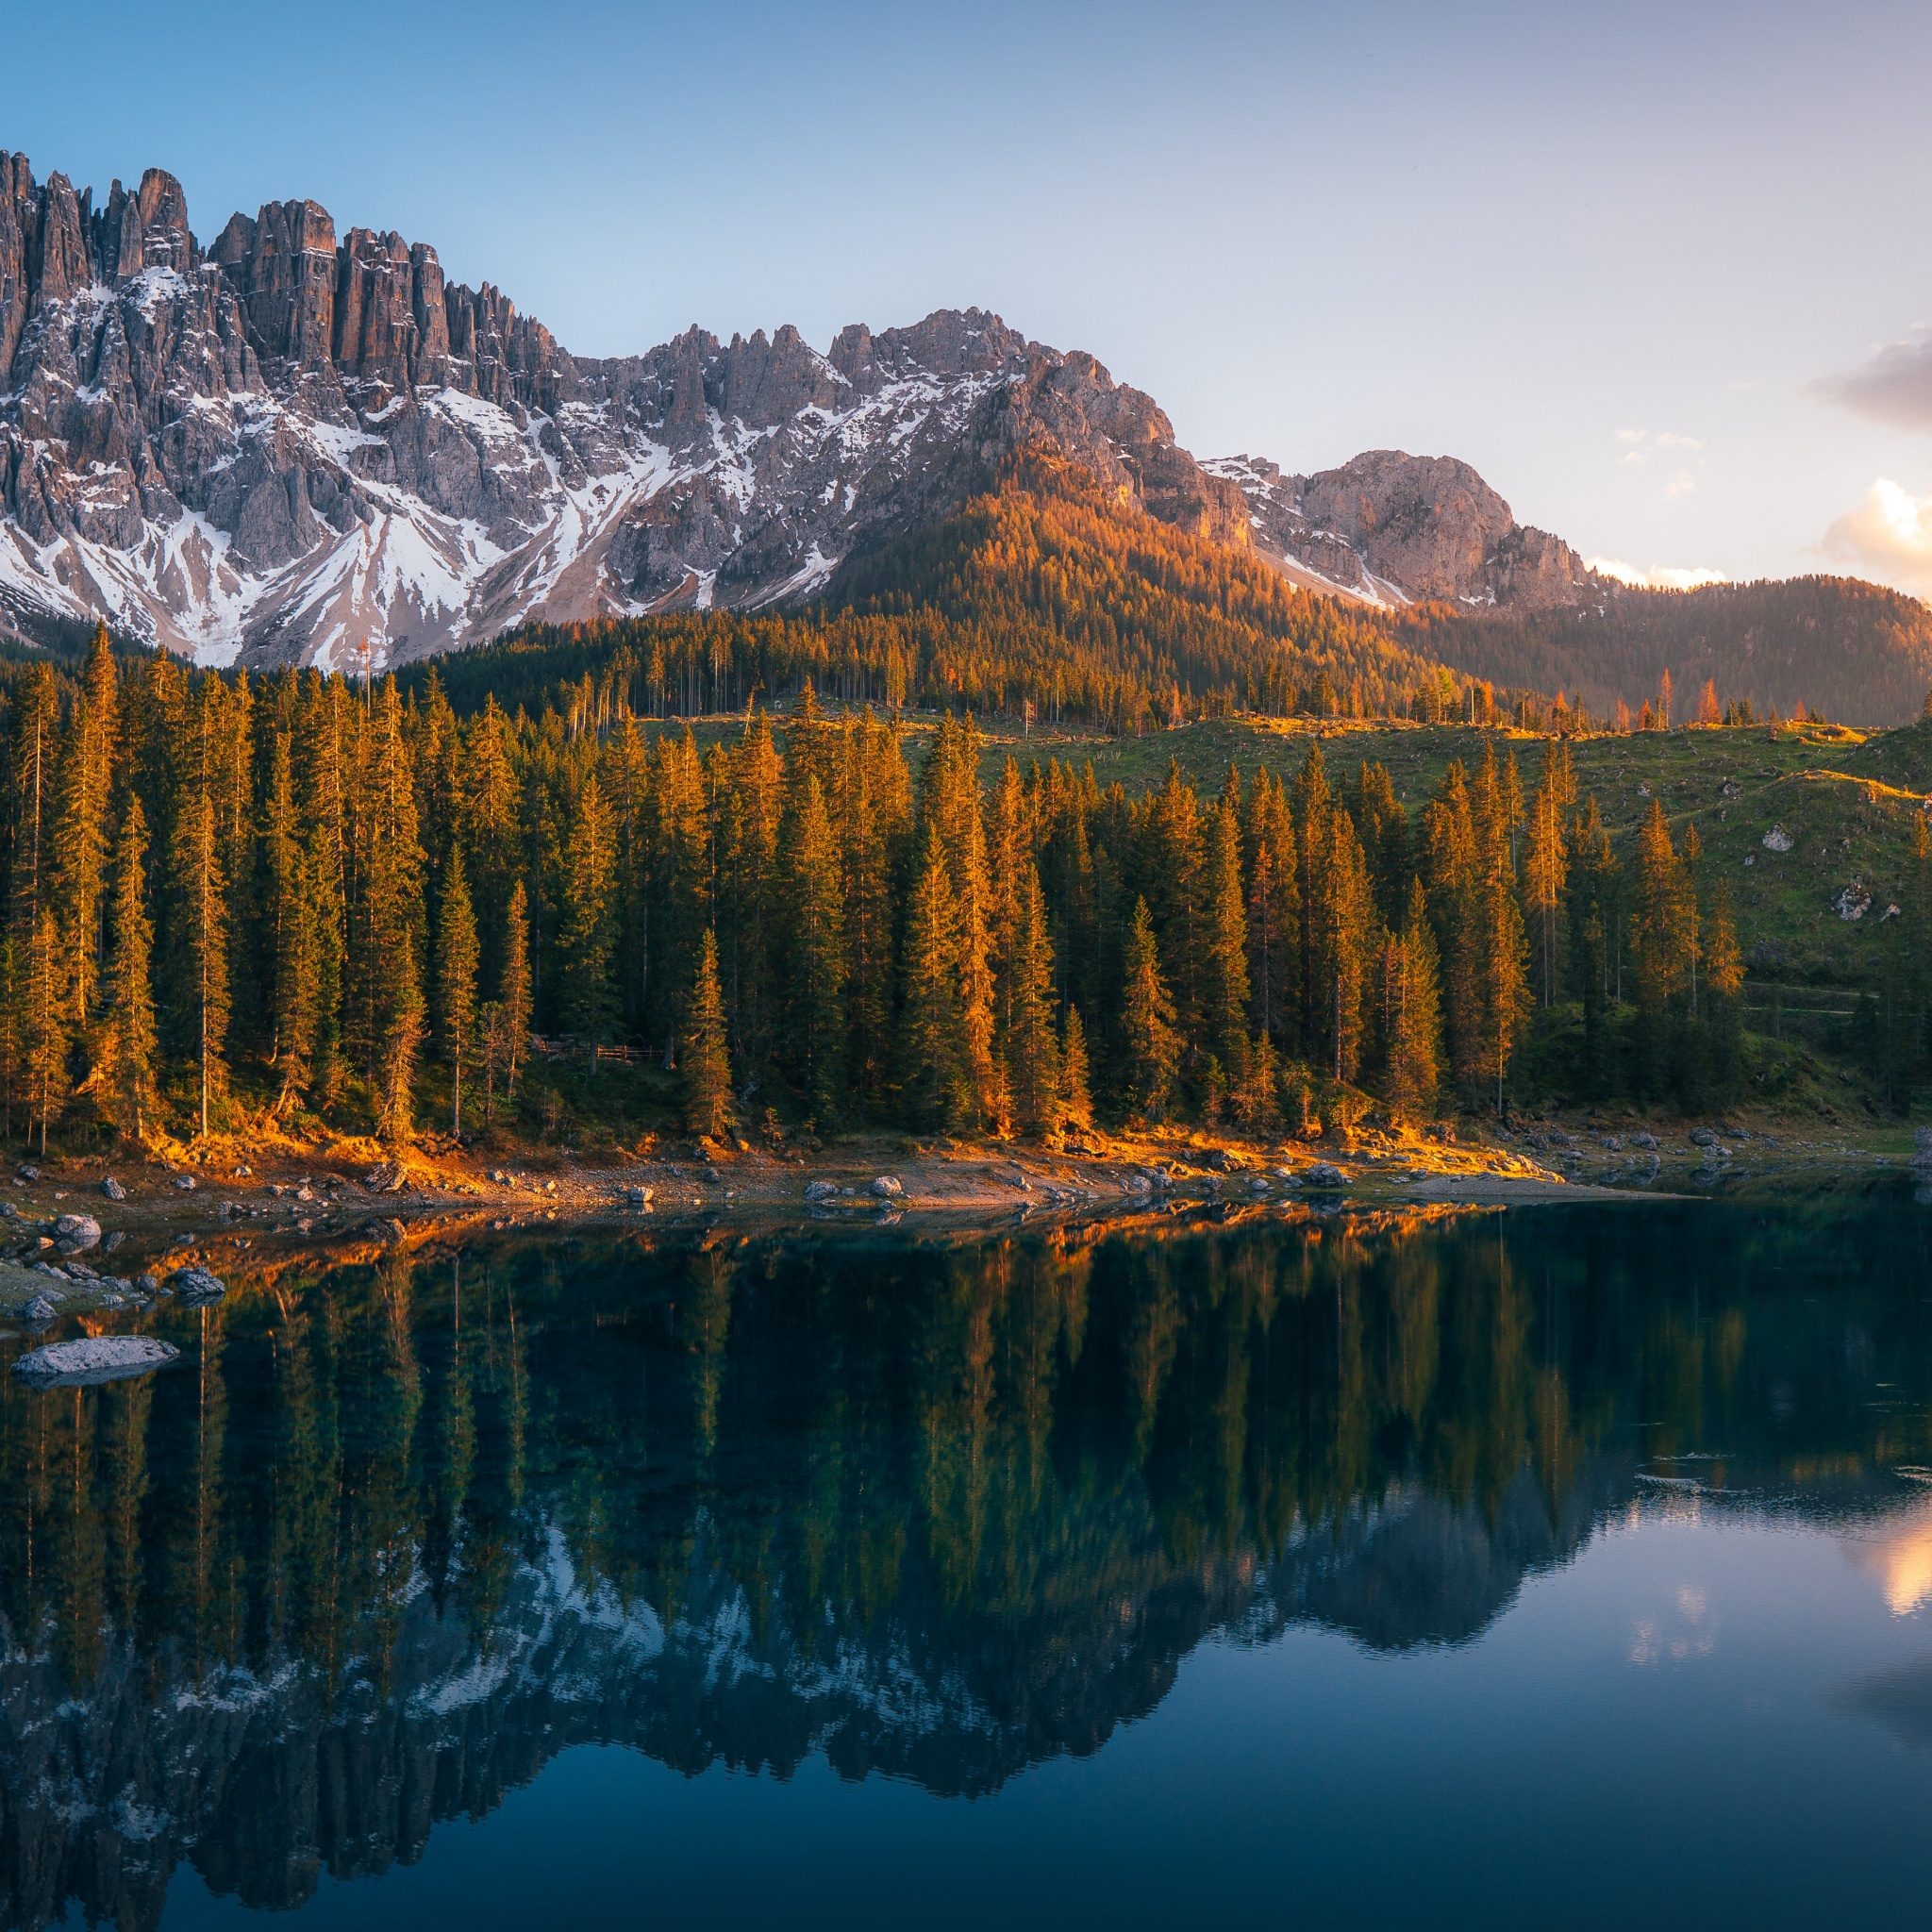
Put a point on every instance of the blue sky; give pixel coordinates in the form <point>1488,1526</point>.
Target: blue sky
<point>1662,274</point>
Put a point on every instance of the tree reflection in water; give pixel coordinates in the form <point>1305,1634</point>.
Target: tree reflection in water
<point>392,1534</point>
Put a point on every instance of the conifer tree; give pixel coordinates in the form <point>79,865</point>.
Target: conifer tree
<point>748,908</point>
<point>706,1060</point>
<point>282,910</point>
<point>393,916</point>
<point>1723,981</point>
<point>1545,873</point>
<point>931,1049</point>
<point>815,948</point>
<point>1225,933</point>
<point>950,803</point>
<point>131,1054</point>
<point>86,780</point>
<point>513,989</point>
<point>45,1034</point>
<point>1153,1047</point>
<point>199,931</point>
<point>1075,1097</point>
<point>587,944</point>
<point>1344,941</point>
<point>1411,1017</point>
<point>678,900</point>
<point>12,1046</point>
<point>1274,926</point>
<point>33,762</point>
<point>455,978</point>
<point>1033,1070</point>
<point>873,824</point>
<point>1506,996</point>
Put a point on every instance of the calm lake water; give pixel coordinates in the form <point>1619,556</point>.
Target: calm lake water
<point>1566,1567</point>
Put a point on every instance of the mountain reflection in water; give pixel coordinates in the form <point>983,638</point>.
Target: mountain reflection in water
<point>392,1535</point>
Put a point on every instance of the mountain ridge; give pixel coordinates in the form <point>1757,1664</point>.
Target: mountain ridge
<point>289,445</point>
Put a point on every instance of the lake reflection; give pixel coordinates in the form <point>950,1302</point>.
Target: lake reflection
<point>392,1538</point>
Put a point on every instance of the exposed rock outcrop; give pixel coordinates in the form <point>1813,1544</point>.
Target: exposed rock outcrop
<point>300,445</point>
<point>1391,527</point>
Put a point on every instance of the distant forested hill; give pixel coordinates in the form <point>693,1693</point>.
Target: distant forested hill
<point>1849,650</point>
<point>1046,591</point>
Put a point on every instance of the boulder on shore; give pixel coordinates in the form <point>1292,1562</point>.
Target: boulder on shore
<point>887,1187</point>
<point>94,1359</point>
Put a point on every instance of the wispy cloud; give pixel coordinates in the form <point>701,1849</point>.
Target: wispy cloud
<point>1888,537</point>
<point>1639,446</point>
<point>1661,577</point>
<point>1892,386</point>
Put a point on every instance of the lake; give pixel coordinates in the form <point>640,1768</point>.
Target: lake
<point>1563,1566</point>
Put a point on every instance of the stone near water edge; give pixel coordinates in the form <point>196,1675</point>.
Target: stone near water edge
<point>185,1182</point>
<point>1644,1140</point>
<point>113,1188</point>
<point>816,1192</point>
<point>1922,1149</point>
<point>148,1284</point>
<point>197,1285</point>
<point>887,1187</point>
<point>94,1359</point>
<point>1326,1174</point>
<point>40,1309</point>
<point>27,1172</point>
<point>83,1230</point>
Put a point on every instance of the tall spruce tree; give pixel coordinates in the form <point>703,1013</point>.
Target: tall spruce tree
<point>706,1055</point>
<point>45,1033</point>
<point>1412,1021</point>
<point>587,944</point>
<point>932,1050</point>
<point>513,989</point>
<point>456,979</point>
<point>1225,977</point>
<point>1032,1045</point>
<point>1153,1047</point>
<point>199,923</point>
<point>1075,1097</point>
<point>130,1059</point>
<point>815,948</point>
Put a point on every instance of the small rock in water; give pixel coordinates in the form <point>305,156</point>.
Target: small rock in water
<point>148,1284</point>
<point>887,1187</point>
<point>113,1239</point>
<point>97,1359</point>
<point>83,1230</point>
<point>113,1188</point>
<point>197,1285</point>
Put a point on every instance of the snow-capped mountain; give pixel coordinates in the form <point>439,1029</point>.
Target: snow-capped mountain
<point>285,446</point>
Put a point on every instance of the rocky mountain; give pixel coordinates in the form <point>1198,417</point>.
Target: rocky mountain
<point>1387,528</point>
<point>290,445</point>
